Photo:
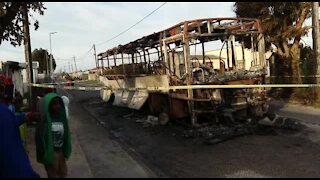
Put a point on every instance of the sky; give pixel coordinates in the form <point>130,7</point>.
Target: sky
<point>79,25</point>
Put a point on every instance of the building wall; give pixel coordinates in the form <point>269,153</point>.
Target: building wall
<point>249,56</point>
<point>92,77</point>
<point>17,80</point>
<point>35,66</point>
<point>15,74</point>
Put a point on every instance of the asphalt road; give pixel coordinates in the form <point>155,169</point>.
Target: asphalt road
<point>106,158</point>
<point>162,151</point>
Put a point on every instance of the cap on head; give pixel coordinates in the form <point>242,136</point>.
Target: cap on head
<point>8,81</point>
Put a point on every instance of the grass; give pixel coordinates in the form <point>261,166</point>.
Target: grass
<point>316,105</point>
<point>93,81</point>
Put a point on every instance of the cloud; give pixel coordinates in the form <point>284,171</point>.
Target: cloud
<point>82,24</point>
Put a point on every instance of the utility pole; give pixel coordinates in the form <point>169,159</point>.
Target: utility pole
<point>27,51</point>
<point>69,68</point>
<point>95,56</point>
<point>315,37</point>
<point>47,63</point>
<point>51,65</point>
<point>75,64</point>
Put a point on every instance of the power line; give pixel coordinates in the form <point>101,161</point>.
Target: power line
<point>132,25</point>
<point>85,54</point>
<point>71,59</point>
<point>63,59</point>
<point>63,63</point>
<point>82,57</point>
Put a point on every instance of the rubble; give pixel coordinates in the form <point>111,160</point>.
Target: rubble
<point>210,75</point>
<point>275,120</point>
<point>145,121</point>
<point>163,118</point>
<point>149,121</point>
<point>218,133</point>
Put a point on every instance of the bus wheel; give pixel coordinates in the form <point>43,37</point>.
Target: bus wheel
<point>163,118</point>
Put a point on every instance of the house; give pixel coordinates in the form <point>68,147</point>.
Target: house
<point>17,71</point>
<point>35,67</point>
<point>95,72</point>
<point>245,57</point>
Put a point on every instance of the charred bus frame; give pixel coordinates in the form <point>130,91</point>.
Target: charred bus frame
<point>175,65</point>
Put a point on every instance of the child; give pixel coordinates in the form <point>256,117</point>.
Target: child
<point>53,136</point>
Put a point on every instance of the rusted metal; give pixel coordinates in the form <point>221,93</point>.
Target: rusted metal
<point>153,39</point>
<point>173,64</point>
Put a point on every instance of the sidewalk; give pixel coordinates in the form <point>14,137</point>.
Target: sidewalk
<point>94,152</point>
<point>107,158</point>
<point>39,168</point>
<point>78,166</point>
<point>305,113</point>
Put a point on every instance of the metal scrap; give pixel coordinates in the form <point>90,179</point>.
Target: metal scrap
<point>275,120</point>
<point>218,133</point>
<point>212,76</point>
<point>149,121</point>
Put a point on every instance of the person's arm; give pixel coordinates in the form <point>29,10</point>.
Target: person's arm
<point>14,161</point>
<point>21,118</point>
<point>27,117</point>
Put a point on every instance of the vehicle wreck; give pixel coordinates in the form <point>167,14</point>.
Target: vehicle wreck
<point>166,59</point>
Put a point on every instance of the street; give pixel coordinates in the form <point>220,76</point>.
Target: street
<point>218,90</point>
<point>115,145</point>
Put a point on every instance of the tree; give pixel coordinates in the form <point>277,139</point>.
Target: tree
<point>308,65</point>
<point>11,19</point>
<point>43,57</point>
<point>283,26</point>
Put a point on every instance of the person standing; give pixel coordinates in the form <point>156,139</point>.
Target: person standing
<point>53,141</point>
<point>14,161</point>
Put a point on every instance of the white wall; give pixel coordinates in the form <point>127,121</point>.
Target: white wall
<point>92,77</point>
<point>35,75</point>
<point>248,55</point>
<point>17,80</point>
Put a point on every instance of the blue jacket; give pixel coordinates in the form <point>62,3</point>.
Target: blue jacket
<point>14,162</point>
<point>20,117</point>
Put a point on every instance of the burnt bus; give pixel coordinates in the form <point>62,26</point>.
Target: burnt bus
<point>171,71</point>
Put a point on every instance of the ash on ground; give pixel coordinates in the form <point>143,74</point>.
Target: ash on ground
<point>269,125</point>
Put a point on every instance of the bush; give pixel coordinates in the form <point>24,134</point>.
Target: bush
<point>307,96</point>
<point>308,65</point>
